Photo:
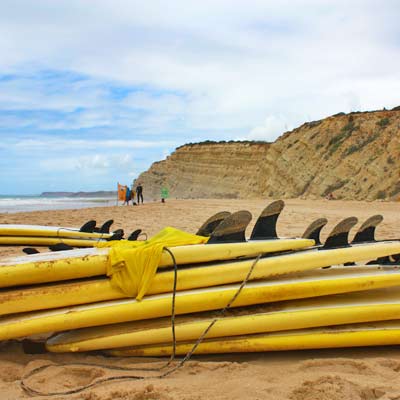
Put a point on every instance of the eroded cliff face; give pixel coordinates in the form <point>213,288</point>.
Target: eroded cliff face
<point>353,156</point>
<point>215,170</point>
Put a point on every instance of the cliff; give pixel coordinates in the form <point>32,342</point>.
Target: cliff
<point>353,156</point>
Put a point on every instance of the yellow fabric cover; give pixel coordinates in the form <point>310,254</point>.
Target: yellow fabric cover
<point>133,264</point>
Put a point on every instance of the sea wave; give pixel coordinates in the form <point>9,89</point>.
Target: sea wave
<point>12,204</point>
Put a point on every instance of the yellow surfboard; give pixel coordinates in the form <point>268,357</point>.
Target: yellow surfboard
<point>349,308</point>
<point>357,335</point>
<point>92,290</point>
<point>64,267</point>
<point>46,241</point>
<point>16,230</point>
<point>83,263</point>
<point>296,286</point>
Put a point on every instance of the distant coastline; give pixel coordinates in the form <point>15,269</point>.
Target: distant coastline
<point>100,193</point>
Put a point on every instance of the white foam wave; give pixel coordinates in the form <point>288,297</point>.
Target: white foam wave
<point>17,204</point>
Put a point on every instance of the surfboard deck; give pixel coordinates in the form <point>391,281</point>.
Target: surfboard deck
<point>15,230</point>
<point>47,241</point>
<point>83,263</point>
<point>92,290</point>
<point>349,308</point>
<point>354,335</point>
<point>296,286</point>
<point>63,267</point>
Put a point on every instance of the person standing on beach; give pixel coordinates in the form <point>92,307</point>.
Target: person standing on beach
<point>133,194</point>
<point>127,196</point>
<point>139,192</point>
<point>164,194</point>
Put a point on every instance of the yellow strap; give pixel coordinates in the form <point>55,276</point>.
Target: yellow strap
<point>133,264</point>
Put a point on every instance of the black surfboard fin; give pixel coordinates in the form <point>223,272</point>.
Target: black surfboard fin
<point>313,230</point>
<point>232,229</point>
<point>388,260</point>
<point>88,227</point>
<point>366,233</point>
<point>208,227</point>
<point>265,226</point>
<point>60,247</point>
<point>30,250</point>
<point>117,235</point>
<point>394,259</point>
<point>381,261</point>
<point>339,236</point>
<point>105,228</point>
<point>134,235</point>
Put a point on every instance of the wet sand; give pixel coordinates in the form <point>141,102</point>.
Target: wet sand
<point>364,373</point>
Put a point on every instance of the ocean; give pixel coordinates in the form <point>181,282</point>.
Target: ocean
<point>13,204</point>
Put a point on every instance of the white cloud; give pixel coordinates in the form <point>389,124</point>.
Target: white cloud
<point>271,127</point>
<point>55,144</point>
<point>240,61</point>
<point>89,163</point>
<point>191,70</point>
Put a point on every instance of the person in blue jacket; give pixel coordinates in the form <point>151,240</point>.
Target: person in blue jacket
<point>127,196</point>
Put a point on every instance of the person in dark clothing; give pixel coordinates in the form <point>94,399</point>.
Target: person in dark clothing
<point>133,194</point>
<point>139,193</point>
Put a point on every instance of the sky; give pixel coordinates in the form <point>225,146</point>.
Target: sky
<point>93,92</point>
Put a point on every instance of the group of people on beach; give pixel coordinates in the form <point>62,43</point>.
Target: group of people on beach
<point>132,192</point>
<point>128,194</point>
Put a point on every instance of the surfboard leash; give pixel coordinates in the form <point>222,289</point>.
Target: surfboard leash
<point>33,392</point>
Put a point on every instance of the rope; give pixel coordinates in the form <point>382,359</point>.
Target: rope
<point>212,323</point>
<point>27,389</point>
<point>35,371</point>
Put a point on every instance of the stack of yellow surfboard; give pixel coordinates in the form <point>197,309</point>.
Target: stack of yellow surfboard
<point>290,300</point>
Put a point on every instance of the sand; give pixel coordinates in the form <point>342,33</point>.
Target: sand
<point>364,373</point>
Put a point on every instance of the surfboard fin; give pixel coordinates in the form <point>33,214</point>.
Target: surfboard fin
<point>88,227</point>
<point>134,235</point>
<point>208,227</point>
<point>30,250</point>
<point>265,226</point>
<point>118,235</point>
<point>105,228</point>
<point>395,259</point>
<point>339,236</point>
<point>313,231</point>
<point>389,260</point>
<point>366,233</point>
<point>60,247</point>
<point>232,229</point>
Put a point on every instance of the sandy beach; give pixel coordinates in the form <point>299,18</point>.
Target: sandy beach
<point>363,373</point>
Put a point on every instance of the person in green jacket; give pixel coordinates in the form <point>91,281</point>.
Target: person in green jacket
<point>164,194</point>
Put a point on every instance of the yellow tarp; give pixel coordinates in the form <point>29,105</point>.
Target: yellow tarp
<point>133,264</point>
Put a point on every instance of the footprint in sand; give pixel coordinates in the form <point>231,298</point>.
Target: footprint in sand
<point>147,393</point>
<point>333,388</point>
<point>338,365</point>
<point>393,365</point>
<point>10,373</point>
